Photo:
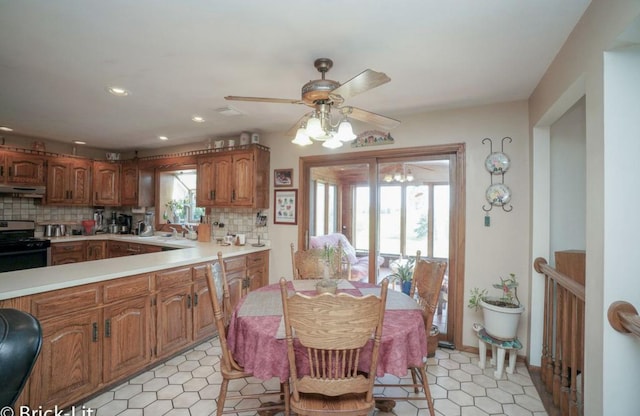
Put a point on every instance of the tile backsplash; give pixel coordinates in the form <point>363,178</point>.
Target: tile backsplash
<point>236,220</point>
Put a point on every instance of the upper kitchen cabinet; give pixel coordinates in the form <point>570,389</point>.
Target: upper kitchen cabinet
<point>22,168</point>
<point>138,186</point>
<point>234,179</point>
<point>68,181</point>
<point>106,183</point>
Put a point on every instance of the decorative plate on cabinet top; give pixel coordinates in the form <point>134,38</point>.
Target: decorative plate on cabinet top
<point>498,194</point>
<point>497,163</point>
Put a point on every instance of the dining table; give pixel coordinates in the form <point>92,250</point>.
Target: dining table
<point>256,335</point>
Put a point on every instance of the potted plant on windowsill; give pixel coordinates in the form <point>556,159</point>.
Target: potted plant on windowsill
<point>501,314</point>
<point>403,274</point>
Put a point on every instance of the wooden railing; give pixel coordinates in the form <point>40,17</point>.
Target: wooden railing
<point>624,318</point>
<point>563,339</point>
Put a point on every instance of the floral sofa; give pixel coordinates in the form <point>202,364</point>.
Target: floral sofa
<point>359,265</point>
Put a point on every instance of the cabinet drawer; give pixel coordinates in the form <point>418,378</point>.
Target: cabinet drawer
<point>60,248</point>
<point>256,259</point>
<point>135,286</point>
<point>63,301</point>
<point>235,263</point>
<point>175,277</point>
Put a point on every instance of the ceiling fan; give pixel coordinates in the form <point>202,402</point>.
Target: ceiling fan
<point>323,95</point>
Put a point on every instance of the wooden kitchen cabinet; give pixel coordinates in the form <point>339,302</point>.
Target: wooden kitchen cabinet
<point>96,250</point>
<point>257,270</point>
<point>127,326</point>
<point>67,252</point>
<point>203,320</point>
<point>234,179</point>
<point>123,248</point>
<point>68,181</point>
<point>67,369</point>
<point>106,183</point>
<point>174,310</point>
<point>138,186</point>
<point>22,168</point>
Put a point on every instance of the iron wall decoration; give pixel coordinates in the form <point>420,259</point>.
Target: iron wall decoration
<point>372,138</point>
<point>497,194</point>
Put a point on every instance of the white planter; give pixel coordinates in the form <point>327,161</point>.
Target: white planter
<point>499,322</point>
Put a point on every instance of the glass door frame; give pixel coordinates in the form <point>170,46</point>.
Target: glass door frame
<point>456,153</point>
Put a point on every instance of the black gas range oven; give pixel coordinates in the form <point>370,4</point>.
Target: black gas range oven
<point>19,249</point>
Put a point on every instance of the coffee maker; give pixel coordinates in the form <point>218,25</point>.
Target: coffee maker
<point>125,222</point>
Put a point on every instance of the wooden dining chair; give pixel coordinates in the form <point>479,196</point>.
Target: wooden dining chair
<point>426,284</point>
<point>219,291</point>
<point>312,263</point>
<point>331,334</point>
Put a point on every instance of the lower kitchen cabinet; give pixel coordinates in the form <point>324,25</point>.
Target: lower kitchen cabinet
<point>67,369</point>
<point>68,252</point>
<point>126,338</point>
<point>96,250</point>
<point>97,335</point>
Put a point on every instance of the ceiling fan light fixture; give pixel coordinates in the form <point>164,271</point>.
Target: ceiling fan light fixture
<point>332,143</point>
<point>345,131</point>
<point>302,139</point>
<point>409,176</point>
<point>388,178</point>
<point>314,128</point>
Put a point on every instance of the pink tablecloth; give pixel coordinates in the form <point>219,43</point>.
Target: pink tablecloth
<point>256,334</point>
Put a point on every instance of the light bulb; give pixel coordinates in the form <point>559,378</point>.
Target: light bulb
<point>301,138</point>
<point>345,131</point>
<point>314,128</point>
<point>332,143</point>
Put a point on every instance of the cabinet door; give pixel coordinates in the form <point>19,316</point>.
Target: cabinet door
<point>118,249</point>
<point>243,180</point>
<point>129,188</point>
<point>203,321</point>
<point>96,250</point>
<point>57,177</point>
<point>24,169</point>
<point>204,188</point>
<point>80,182</point>
<point>222,189</point>
<point>106,183</point>
<point>68,368</point>
<point>174,330</point>
<point>126,342</point>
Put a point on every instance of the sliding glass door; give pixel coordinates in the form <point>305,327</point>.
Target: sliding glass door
<point>388,206</point>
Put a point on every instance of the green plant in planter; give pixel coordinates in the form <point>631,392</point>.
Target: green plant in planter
<point>509,298</point>
<point>404,271</point>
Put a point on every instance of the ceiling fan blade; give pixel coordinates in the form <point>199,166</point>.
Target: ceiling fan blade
<point>362,82</point>
<point>264,100</point>
<point>383,122</point>
<point>294,129</point>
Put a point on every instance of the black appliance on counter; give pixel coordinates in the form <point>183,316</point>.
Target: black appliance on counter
<point>19,249</point>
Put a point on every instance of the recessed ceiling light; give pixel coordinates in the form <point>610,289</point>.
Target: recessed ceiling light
<point>79,142</point>
<point>118,91</point>
<point>163,138</point>
<point>5,128</point>
<point>197,119</point>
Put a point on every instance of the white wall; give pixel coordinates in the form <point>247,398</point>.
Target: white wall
<point>568,183</point>
<point>490,251</point>
<point>621,353</point>
<point>580,61</point>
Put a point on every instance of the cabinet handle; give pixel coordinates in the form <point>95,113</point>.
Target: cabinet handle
<point>213,194</point>
<point>1,170</point>
<point>94,336</point>
<point>188,301</point>
<point>107,328</point>
<point>96,196</point>
<point>233,195</point>
<point>70,194</point>
<point>195,299</point>
<point>9,171</point>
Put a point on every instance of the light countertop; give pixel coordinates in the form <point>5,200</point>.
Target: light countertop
<point>31,281</point>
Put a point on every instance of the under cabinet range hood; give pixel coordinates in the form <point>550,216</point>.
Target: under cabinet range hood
<point>24,191</point>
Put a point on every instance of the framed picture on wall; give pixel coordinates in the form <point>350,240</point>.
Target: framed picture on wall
<point>282,178</point>
<point>285,207</point>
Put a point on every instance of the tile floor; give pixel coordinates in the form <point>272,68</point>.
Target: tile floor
<point>188,385</point>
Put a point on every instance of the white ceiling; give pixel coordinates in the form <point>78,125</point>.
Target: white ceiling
<point>180,58</point>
